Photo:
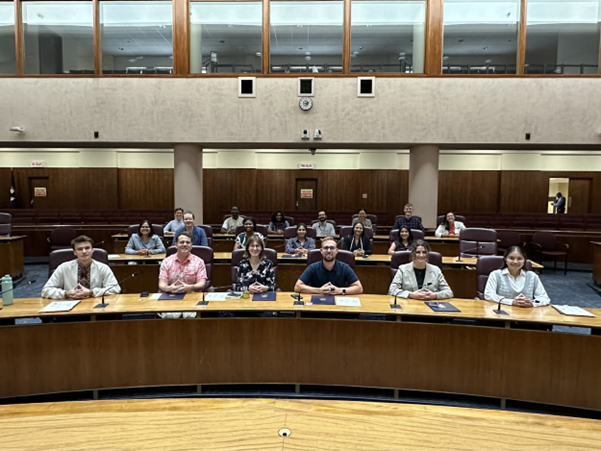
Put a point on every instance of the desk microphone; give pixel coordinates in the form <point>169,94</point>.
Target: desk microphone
<point>500,311</point>
<point>205,302</point>
<point>469,250</point>
<point>298,298</point>
<point>395,306</point>
<point>102,304</point>
<point>16,285</point>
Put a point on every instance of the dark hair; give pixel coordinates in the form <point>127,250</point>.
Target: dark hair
<point>362,227</point>
<point>301,224</point>
<point>558,194</point>
<point>515,249</point>
<point>146,221</point>
<point>188,234</point>
<point>416,244</point>
<point>274,216</point>
<point>445,221</point>
<point>178,209</point>
<point>409,238</point>
<point>408,204</point>
<point>362,209</point>
<point>251,219</point>
<point>81,239</point>
<point>188,212</point>
<point>255,239</point>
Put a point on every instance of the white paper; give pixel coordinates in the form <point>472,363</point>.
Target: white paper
<point>216,297</point>
<point>348,302</point>
<point>114,256</point>
<point>155,296</point>
<point>60,306</point>
<point>572,310</point>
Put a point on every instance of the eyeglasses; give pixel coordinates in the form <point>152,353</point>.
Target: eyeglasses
<point>329,248</point>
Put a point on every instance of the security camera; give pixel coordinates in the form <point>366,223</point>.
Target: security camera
<point>317,134</point>
<point>305,134</point>
<point>313,150</point>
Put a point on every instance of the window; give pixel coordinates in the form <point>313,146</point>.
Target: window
<point>562,37</point>
<point>225,37</point>
<point>480,36</point>
<point>136,37</point>
<point>58,37</point>
<point>306,36</point>
<point>388,36</point>
<point>8,63</point>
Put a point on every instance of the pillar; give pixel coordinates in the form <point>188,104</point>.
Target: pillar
<point>187,178</point>
<point>195,48</point>
<point>419,47</point>
<point>423,182</point>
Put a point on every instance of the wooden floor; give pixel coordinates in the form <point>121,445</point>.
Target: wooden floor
<point>242,424</point>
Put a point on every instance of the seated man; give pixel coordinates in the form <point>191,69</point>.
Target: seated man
<point>83,277</point>
<point>329,276</point>
<point>323,227</point>
<point>176,223</point>
<point>409,221</point>
<point>199,237</point>
<point>182,272</point>
<point>230,224</point>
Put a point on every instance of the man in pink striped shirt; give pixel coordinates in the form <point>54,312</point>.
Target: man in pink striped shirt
<point>183,272</point>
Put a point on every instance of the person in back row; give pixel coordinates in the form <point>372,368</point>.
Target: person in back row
<point>323,227</point>
<point>403,243</point>
<point>328,276</point>
<point>513,284</point>
<point>250,229</point>
<point>199,237</point>
<point>419,279</point>
<point>176,223</point>
<point>83,277</point>
<point>278,223</point>
<point>357,242</point>
<point>301,244</point>
<point>409,221</point>
<point>449,227</point>
<point>235,220</point>
<point>145,242</point>
<point>362,218</point>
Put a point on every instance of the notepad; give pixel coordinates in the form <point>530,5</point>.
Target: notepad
<point>215,297</point>
<point>348,301</point>
<point>172,296</point>
<point>155,296</point>
<point>60,306</point>
<point>269,296</point>
<point>291,256</point>
<point>572,310</point>
<point>442,306</point>
<point>114,256</point>
<point>323,300</point>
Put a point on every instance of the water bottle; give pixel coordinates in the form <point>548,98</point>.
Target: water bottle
<point>7,287</point>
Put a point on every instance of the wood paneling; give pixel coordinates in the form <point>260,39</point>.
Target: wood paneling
<point>181,37</point>
<point>434,30</point>
<point>474,191</point>
<point>521,44</point>
<point>523,192</point>
<point>5,179</point>
<point>146,189</point>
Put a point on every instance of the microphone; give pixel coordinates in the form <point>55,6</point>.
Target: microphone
<point>469,250</point>
<point>102,304</point>
<point>204,302</point>
<point>395,306</point>
<point>298,298</point>
<point>15,286</point>
<point>500,311</point>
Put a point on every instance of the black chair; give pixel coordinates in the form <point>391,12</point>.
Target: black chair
<point>290,220</point>
<point>64,255</point>
<point>5,224</point>
<point>61,237</point>
<point>344,256</point>
<point>477,242</point>
<point>204,252</point>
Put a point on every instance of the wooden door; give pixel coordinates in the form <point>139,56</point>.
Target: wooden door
<point>306,194</point>
<point>579,200</point>
<point>36,197</point>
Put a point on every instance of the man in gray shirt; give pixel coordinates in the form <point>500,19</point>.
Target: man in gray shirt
<point>323,227</point>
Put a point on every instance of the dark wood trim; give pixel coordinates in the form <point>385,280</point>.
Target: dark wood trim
<point>346,38</point>
<point>434,30</point>
<point>19,43</point>
<point>181,37</point>
<point>97,39</point>
<point>521,60</point>
<point>265,50</point>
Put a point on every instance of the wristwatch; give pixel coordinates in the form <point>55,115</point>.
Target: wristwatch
<point>344,291</point>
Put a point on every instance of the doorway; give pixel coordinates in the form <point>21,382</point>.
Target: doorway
<point>39,192</point>
<point>557,185</point>
<point>306,194</point>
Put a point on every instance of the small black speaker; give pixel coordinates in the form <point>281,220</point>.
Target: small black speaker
<point>246,87</point>
<point>366,86</point>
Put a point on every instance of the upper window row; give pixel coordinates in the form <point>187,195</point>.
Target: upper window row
<point>386,36</point>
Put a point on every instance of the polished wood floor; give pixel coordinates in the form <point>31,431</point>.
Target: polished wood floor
<point>241,424</point>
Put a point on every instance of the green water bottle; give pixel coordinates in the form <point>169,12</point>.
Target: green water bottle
<point>7,289</point>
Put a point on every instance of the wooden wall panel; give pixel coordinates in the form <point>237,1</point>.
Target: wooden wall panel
<point>146,189</point>
<point>468,191</point>
<point>523,192</point>
<point>595,194</point>
<point>5,187</point>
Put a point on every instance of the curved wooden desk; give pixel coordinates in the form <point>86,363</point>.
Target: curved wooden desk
<point>322,345</point>
<point>313,424</point>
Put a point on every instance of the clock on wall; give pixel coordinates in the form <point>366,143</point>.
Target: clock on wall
<point>305,103</point>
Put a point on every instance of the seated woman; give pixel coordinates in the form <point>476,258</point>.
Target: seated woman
<point>250,226</point>
<point>362,218</point>
<point>278,223</point>
<point>256,272</point>
<point>301,244</point>
<point>419,279</point>
<point>358,243</point>
<point>404,241</point>
<point>513,284</point>
<point>145,242</point>
<point>449,227</point>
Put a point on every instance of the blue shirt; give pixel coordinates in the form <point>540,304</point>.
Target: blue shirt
<point>199,237</point>
<point>341,275</point>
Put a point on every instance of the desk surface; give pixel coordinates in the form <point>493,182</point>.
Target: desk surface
<point>12,238</point>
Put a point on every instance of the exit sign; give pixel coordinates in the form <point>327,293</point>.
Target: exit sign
<point>38,164</point>
<point>306,166</point>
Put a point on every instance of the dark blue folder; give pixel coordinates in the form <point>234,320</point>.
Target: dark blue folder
<point>269,296</point>
<point>324,300</point>
<point>442,306</point>
<point>172,296</point>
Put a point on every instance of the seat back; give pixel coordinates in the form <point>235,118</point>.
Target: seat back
<point>5,224</point>
<point>207,255</point>
<point>262,229</point>
<point>290,220</point>
<point>132,229</point>
<point>209,232</point>
<point>327,220</point>
<point>344,256</point>
<point>61,237</point>
<point>290,232</point>
<point>64,255</point>
<point>476,242</point>
<point>486,264</point>
<point>237,257</point>
<point>372,218</point>
<point>546,240</point>
<point>394,235</point>
<point>348,230</point>
<point>508,239</point>
<point>440,218</point>
<point>403,257</point>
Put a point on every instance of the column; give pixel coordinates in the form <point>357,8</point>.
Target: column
<point>187,178</point>
<point>195,48</point>
<point>419,48</point>
<point>423,182</point>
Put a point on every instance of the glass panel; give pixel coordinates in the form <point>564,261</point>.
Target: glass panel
<point>306,36</point>
<point>480,36</point>
<point>562,37</point>
<point>8,64</point>
<point>137,37</point>
<point>59,37</point>
<point>388,36</point>
<point>225,37</point>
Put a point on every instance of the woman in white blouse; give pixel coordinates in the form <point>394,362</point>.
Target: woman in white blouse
<point>449,227</point>
<point>513,284</point>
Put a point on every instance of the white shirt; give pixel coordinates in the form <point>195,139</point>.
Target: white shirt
<point>512,286</point>
<point>65,279</point>
<point>459,226</point>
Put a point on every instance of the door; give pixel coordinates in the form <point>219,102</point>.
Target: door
<point>306,194</point>
<point>39,192</point>
<point>579,200</point>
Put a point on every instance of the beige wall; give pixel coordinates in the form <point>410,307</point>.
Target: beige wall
<point>471,112</point>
